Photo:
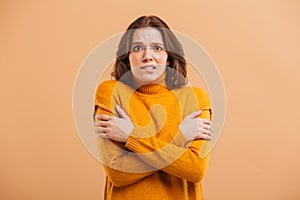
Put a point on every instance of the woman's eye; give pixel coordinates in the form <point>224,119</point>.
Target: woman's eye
<point>158,48</point>
<point>137,48</point>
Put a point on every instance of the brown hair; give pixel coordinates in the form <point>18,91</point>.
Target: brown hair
<point>176,74</point>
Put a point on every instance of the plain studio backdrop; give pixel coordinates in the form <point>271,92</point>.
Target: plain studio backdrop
<point>255,45</point>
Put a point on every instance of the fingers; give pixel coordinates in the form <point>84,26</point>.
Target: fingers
<point>103,117</point>
<point>103,123</point>
<point>121,112</point>
<point>101,130</point>
<point>204,129</point>
<point>204,121</point>
<point>101,127</point>
<point>205,126</point>
<point>194,114</point>
<point>102,135</point>
<point>201,136</point>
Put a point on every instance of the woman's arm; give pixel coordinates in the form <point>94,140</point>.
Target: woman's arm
<point>173,158</point>
<point>181,161</point>
<point>160,154</point>
<point>121,166</point>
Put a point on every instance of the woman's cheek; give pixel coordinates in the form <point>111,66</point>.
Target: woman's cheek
<point>136,61</point>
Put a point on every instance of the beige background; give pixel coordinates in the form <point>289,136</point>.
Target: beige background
<point>255,45</point>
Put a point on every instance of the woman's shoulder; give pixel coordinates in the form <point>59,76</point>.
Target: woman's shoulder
<point>108,84</point>
<point>202,97</point>
<point>106,87</point>
<point>104,93</point>
<point>192,92</point>
<point>200,92</point>
<point>188,89</point>
<point>109,87</point>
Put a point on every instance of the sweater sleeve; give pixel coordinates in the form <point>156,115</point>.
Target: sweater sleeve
<point>121,166</point>
<point>183,161</point>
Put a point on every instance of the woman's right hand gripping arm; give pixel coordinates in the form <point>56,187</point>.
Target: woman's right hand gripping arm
<point>122,166</point>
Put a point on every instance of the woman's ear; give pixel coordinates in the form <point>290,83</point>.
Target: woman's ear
<point>168,62</point>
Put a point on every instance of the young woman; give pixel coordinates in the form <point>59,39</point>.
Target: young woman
<point>151,125</point>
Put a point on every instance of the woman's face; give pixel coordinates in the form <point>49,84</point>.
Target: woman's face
<point>147,58</point>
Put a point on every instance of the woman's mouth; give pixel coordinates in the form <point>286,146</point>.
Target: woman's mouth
<point>148,68</point>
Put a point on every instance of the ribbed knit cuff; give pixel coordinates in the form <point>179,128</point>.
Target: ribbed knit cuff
<point>137,137</point>
<point>134,140</point>
<point>179,139</point>
<point>133,144</point>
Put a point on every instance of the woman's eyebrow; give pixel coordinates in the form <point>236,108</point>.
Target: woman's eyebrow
<point>153,43</point>
<point>158,43</point>
<point>137,43</point>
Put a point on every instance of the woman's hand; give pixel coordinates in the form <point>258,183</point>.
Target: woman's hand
<point>195,128</point>
<point>114,128</point>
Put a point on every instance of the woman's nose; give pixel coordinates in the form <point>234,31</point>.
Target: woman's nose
<point>147,56</point>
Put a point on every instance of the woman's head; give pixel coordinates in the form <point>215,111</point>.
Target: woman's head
<point>146,48</point>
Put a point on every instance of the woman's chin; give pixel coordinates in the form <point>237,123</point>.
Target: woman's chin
<point>147,80</point>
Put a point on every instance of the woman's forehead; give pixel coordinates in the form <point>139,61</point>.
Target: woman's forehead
<point>146,35</point>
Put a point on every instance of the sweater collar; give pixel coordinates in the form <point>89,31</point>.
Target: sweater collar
<point>156,87</point>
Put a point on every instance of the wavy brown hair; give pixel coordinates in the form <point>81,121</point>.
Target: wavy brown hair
<point>176,74</point>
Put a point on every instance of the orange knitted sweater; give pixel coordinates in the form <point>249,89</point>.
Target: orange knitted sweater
<point>156,162</point>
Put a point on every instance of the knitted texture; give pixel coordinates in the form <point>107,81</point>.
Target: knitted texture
<point>156,162</point>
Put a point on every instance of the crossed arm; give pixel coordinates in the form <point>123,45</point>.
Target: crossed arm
<point>129,158</point>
